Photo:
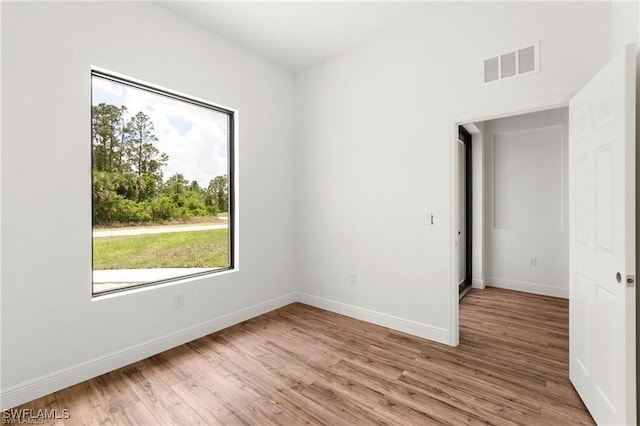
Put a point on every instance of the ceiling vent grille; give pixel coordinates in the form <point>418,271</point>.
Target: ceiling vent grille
<point>527,59</point>
<point>491,69</point>
<point>508,65</point>
<point>517,62</point>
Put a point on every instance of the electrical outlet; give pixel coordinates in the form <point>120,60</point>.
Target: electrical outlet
<point>532,261</point>
<point>352,278</point>
<point>178,301</point>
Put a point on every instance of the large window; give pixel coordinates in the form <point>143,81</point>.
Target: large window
<point>162,185</point>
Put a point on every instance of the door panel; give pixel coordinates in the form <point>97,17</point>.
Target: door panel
<point>604,198</point>
<point>580,329</point>
<point>602,242</point>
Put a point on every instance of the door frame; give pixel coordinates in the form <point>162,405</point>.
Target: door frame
<point>459,119</point>
<point>465,138</point>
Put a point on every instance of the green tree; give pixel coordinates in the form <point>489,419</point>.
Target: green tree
<point>147,187</point>
<point>218,193</point>
<point>176,184</point>
<point>142,155</point>
<point>107,134</point>
<point>124,131</point>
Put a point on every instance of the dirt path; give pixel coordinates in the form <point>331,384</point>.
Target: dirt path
<point>142,230</point>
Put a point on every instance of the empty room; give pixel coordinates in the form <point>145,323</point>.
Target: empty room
<point>318,212</point>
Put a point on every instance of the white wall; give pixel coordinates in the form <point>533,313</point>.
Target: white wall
<point>527,204</point>
<point>53,334</point>
<point>373,150</point>
<point>625,17</point>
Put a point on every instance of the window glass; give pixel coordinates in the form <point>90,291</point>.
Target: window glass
<point>162,185</point>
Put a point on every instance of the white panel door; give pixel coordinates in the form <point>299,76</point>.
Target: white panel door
<point>602,242</point>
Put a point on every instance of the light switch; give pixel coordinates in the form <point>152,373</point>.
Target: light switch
<point>428,219</point>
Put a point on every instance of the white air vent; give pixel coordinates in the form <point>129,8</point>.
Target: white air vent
<point>517,62</point>
<point>508,65</point>
<point>491,69</point>
<point>527,59</point>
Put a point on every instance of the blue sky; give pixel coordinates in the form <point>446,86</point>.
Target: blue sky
<point>194,138</point>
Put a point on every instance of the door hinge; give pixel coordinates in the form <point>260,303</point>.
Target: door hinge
<point>631,280</point>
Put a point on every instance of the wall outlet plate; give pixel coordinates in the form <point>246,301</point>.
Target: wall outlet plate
<point>178,301</point>
<point>353,278</point>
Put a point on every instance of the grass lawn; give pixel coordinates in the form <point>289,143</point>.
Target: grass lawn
<point>193,249</point>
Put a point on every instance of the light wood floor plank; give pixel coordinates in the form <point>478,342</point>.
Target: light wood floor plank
<point>303,365</point>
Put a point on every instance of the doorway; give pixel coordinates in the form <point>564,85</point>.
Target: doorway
<point>537,105</point>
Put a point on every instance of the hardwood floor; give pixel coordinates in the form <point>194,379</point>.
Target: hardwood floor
<point>301,365</point>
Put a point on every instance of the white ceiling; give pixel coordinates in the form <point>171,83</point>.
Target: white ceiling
<point>297,35</point>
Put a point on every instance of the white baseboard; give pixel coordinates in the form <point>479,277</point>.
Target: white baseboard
<point>45,385</point>
<point>476,283</point>
<point>535,288</point>
<point>439,335</point>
